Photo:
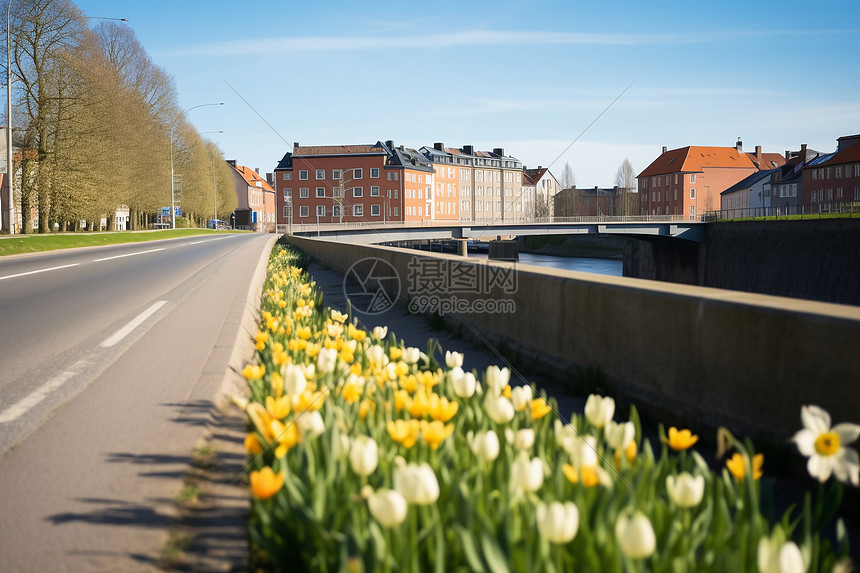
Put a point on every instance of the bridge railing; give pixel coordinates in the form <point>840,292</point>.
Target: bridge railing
<point>783,212</point>
<point>489,223</point>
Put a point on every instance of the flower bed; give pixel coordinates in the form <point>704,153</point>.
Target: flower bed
<point>369,455</point>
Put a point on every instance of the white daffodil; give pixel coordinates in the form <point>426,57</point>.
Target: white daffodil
<point>599,410</point>
<point>416,482</point>
<point>526,474</point>
<point>363,455</point>
<point>635,534</point>
<point>825,446</point>
<point>521,396</point>
<point>685,490</point>
<point>557,521</point>
<point>485,445</point>
<point>499,409</point>
<point>388,507</point>
<point>453,359</point>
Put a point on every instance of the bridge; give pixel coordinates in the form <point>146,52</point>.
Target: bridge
<point>395,231</point>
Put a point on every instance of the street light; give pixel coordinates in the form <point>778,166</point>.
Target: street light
<point>172,187</point>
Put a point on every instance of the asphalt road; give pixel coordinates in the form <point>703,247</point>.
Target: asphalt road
<point>110,359</point>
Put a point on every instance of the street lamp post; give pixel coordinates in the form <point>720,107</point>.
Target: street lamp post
<point>214,187</point>
<point>172,176</point>
<point>9,168</point>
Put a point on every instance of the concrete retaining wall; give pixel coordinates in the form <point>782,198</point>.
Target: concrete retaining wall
<point>707,356</point>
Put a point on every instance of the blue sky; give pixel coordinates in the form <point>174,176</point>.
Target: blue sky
<point>526,76</point>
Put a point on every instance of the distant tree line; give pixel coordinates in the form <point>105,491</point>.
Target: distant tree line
<point>95,116</point>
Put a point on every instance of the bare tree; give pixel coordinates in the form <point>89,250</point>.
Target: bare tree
<point>567,179</point>
<point>625,181</point>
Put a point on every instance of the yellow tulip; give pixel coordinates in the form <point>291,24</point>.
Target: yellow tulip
<point>252,444</point>
<point>404,432</point>
<point>434,433</point>
<point>737,466</point>
<point>286,436</point>
<point>539,408</point>
<point>681,439</point>
<point>266,483</point>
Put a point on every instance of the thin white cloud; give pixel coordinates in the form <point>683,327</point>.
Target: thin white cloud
<point>274,46</point>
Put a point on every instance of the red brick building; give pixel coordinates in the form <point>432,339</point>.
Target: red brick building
<point>688,181</point>
<point>832,182</point>
<point>351,183</point>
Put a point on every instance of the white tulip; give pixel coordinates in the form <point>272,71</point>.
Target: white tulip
<point>453,359</point>
<point>685,490</point>
<point>379,332</point>
<point>499,408</point>
<point>411,355</point>
<point>363,455</point>
<point>485,445</point>
<point>388,507</point>
<point>294,379</point>
<point>776,555</point>
<point>376,356</point>
<point>327,360</point>
<point>521,396</point>
<point>599,410</point>
<point>558,522</point>
<point>619,436</point>
<point>635,535</point>
<point>526,474</point>
<point>522,439</point>
<point>310,424</point>
<point>496,379</point>
<point>417,483</point>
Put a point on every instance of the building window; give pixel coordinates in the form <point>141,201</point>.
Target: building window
<point>464,205</point>
<point>288,176</point>
<point>395,191</point>
<point>335,210</point>
<point>320,210</point>
<point>358,210</point>
<point>374,210</point>
<point>320,191</point>
<point>304,211</point>
<point>395,176</point>
<point>374,190</point>
<point>692,177</point>
<point>419,194</point>
<point>303,174</point>
<point>358,191</point>
<point>374,173</point>
<point>304,193</point>
<point>676,194</point>
<point>288,193</point>
<point>389,175</point>
<point>420,211</point>
<point>320,173</point>
<point>336,174</point>
<point>692,211</point>
<point>692,193</point>
<point>285,212</point>
<point>839,172</point>
<point>357,173</point>
<point>396,211</point>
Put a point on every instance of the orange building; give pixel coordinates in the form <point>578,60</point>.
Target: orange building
<point>256,200</point>
<point>688,181</point>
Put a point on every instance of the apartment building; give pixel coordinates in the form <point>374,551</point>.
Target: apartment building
<point>831,182</point>
<point>688,181</point>
<point>256,202</point>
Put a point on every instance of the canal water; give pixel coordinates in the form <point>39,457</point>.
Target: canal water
<point>612,267</point>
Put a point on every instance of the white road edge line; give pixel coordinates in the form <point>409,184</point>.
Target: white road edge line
<point>128,255</point>
<point>26,404</point>
<point>125,330</point>
<point>39,271</point>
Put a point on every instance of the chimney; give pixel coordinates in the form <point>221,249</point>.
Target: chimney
<point>539,167</point>
<point>664,150</point>
<point>257,170</point>
<point>499,151</point>
<point>469,149</point>
<point>295,144</point>
<point>389,143</point>
<point>439,146</point>
<point>739,146</point>
<point>231,163</point>
<point>758,152</point>
<point>787,155</point>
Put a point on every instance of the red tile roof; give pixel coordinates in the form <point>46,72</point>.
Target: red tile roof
<point>694,159</point>
<point>849,152</point>
<point>253,178</point>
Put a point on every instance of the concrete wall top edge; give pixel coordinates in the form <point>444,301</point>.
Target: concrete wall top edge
<point>714,295</point>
